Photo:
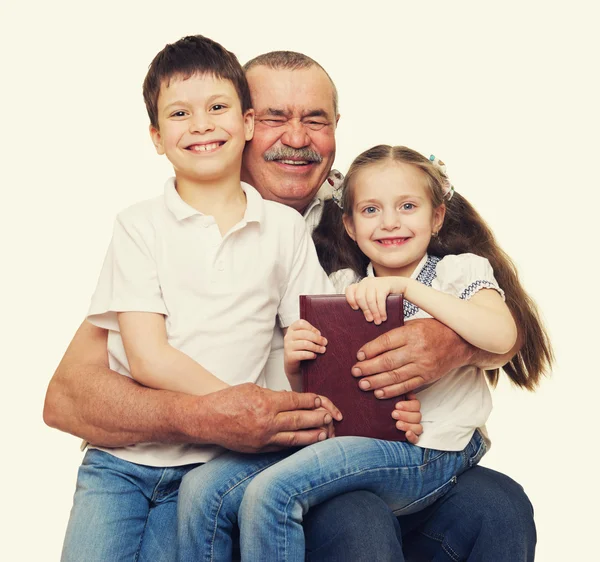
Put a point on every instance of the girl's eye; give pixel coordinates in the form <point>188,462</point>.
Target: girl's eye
<point>408,206</point>
<point>370,210</point>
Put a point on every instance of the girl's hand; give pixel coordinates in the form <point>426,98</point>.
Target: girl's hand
<point>330,407</point>
<point>369,295</point>
<point>302,341</point>
<point>408,417</point>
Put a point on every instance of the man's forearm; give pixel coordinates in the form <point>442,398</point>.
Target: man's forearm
<point>486,360</point>
<point>108,409</point>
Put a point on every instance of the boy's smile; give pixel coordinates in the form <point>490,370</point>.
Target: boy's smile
<point>201,129</point>
<point>392,216</point>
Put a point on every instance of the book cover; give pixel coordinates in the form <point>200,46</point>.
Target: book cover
<point>329,374</point>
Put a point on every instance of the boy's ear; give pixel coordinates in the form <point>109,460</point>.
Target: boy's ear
<point>156,140</point>
<point>249,124</point>
<point>438,218</point>
<point>349,226</point>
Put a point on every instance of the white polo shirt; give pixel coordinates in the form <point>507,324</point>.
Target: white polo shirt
<point>220,295</point>
<point>276,379</point>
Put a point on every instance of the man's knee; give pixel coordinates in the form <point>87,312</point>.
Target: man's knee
<point>485,514</point>
<point>353,526</point>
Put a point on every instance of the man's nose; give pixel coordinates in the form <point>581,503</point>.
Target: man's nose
<point>295,135</point>
<point>201,122</point>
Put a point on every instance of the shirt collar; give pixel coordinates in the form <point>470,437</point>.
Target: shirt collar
<point>181,210</point>
<point>321,196</point>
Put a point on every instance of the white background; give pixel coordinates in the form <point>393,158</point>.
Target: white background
<point>505,94</point>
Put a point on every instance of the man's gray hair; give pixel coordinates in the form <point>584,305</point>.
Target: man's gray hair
<point>290,60</point>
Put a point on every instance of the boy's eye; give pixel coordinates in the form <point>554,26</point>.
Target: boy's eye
<point>218,107</point>
<point>180,113</point>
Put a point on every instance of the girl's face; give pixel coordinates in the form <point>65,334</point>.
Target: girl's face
<point>392,217</point>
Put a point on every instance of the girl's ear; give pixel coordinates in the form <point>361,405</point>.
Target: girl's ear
<point>349,226</point>
<point>438,218</point>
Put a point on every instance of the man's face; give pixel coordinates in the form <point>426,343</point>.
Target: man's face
<point>293,147</point>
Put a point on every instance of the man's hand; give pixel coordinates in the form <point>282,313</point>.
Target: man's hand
<point>249,418</point>
<point>406,358</point>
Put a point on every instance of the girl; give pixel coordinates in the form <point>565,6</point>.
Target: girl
<point>400,228</point>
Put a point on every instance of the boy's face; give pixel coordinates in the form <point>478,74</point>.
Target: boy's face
<point>201,128</point>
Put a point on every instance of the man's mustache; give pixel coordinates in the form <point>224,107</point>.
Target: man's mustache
<point>289,153</point>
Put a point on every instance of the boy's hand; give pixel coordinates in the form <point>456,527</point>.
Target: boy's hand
<point>369,295</point>
<point>302,341</point>
<point>408,417</point>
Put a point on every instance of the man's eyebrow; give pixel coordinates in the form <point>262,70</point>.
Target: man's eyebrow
<point>316,113</point>
<point>276,112</point>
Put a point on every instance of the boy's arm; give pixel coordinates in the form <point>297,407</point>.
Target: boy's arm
<point>155,363</point>
<point>87,399</point>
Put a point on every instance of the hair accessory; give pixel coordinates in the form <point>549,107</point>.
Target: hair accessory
<point>336,180</point>
<point>448,187</point>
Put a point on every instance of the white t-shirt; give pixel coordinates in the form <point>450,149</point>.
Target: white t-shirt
<point>460,402</point>
<point>220,295</point>
<point>275,375</point>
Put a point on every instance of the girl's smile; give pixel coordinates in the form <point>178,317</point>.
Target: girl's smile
<point>392,216</point>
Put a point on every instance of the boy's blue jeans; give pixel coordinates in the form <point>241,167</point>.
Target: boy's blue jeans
<point>277,495</point>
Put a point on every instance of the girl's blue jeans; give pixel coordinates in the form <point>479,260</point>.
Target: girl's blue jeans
<point>268,495</point>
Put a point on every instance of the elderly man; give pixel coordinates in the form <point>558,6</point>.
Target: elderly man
<point>486,516</point>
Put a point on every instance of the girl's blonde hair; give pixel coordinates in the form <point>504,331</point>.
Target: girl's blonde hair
<point>463,231</point>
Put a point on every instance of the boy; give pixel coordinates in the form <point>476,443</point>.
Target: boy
<point>189,290</point>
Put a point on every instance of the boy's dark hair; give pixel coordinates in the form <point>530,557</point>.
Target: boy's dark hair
<point>191,55</point>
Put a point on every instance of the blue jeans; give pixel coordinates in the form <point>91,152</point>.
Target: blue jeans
<point>407,477</point>
<point>485,517</point>
<point>123,511</point>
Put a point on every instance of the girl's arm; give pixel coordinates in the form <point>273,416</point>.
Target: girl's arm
<point>484,320</point>
<point>155,363</point>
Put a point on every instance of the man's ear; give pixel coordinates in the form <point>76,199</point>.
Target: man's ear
<point>337,120</point>
<point>249,124</point>
<point>438,218</point>
<point>349,226</point>
<point>157,140</point>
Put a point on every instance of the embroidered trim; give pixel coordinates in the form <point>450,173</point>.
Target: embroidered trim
<point>425,277</point>
<point>476,286</point>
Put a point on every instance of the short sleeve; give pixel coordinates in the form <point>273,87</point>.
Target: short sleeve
<point>342,278</point>
<point>464,275</point>
<point>129,277</point>
<point>306,276</point>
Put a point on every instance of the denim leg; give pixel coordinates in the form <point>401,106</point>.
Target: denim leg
<point>401,474</point>
<point>209,500</point>
<point>113,515</point>
<point>486,516</point>
<point>355,526</point>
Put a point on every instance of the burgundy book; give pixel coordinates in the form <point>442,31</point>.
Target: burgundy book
<point>329,374</point>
